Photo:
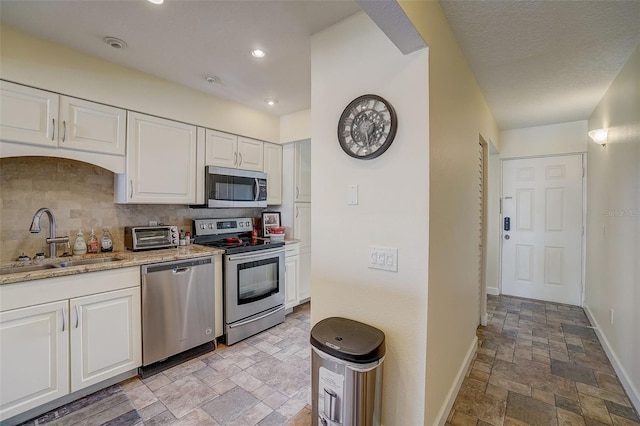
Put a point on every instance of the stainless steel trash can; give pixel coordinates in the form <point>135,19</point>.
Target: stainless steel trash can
<point>346,373</point>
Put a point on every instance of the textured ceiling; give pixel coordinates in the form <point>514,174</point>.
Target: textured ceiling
<point>537,62</point>
<point>544,62</point>
<point>183,41</point>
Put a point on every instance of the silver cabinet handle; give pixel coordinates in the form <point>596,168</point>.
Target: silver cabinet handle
<point>297,211</point>
<point>64,130</point>
<point>53,129</point>
<point>235,158</point>
<point>297,192</point>
<point>240,164</point>
<point>77,317</point>
<point>130,188</point>
<point>64,320</point>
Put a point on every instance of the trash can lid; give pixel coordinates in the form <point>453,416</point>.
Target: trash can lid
<point>348,340</point>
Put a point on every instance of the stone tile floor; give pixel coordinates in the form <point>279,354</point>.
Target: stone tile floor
<point>540,363</point>
<point>263,380</point>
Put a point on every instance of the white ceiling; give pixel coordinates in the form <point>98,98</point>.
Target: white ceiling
<point>544,62</point>
<point>537,62</point>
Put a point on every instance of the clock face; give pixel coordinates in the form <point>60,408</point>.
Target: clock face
<point>367,127</point>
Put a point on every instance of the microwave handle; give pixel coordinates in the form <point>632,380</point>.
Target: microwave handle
<point>256,189</point>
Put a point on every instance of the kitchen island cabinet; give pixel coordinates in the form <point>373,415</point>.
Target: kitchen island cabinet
<point>64,334</point>
<point>161,162</point>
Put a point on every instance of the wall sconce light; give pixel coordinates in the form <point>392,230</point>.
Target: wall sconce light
<point>599,136</point>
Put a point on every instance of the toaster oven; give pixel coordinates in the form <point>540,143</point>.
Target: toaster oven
<point>150,237</point>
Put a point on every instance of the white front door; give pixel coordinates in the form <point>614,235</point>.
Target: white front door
<point>542,228</point>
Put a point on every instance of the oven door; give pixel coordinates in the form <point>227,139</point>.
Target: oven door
<point>254,283</point>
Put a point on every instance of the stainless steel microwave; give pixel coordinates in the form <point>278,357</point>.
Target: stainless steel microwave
<point>235,188</point>
<point>150,237</point>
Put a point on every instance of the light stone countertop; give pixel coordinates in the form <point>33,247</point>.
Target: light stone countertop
<point>124,260</point>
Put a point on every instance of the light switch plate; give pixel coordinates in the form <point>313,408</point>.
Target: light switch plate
<point>352,194</point>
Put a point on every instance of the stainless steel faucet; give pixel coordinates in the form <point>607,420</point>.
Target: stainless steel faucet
<point>52,240</point>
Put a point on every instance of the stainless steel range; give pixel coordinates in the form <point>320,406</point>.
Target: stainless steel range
<point>253,275</point>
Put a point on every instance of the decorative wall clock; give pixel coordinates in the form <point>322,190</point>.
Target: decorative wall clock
<point>367,127</point>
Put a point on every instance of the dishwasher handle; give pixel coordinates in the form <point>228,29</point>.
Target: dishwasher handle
<point>181,270</point>
<point>177,266</point>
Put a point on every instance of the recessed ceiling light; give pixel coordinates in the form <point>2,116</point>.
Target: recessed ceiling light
<point>156,1</point>
<point>212,79</point>
<point>257,53</point>
<point>114,42</point>
<point>271,102</point>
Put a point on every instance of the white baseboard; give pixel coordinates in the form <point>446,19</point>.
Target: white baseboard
<point>453,392</point>
<point>494,291</point>
<point>632,392</point>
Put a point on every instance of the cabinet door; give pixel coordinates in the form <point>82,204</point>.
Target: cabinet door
<point>105,336</point>
<point>28,115</point>
<point>34,357</point>
<point>161,160</point>
<point>303,172</point>
<point>250,154</point>
<point>302,226</point>
<point>304,277</point>
<point>87,126</point>
<point>291,271</point>
<point>221,149</point>
<point>273,168</point>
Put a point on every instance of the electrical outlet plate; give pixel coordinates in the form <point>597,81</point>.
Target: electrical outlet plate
<point>385,258</point>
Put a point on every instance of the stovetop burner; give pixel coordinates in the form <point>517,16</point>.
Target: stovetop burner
<point>231,235</point>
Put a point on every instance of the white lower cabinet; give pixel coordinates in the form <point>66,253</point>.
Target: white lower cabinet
<point>60,335</point>
<point>292,273</point>
<point>34,356</point>
<point>105,336</point>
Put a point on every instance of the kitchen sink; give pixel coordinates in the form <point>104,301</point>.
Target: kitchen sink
<point>28,268</point>
<point>79,262</point>
<point>64,264</point>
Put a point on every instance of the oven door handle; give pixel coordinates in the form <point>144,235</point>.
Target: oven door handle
<point>256,254</point>
<point>249,321</point>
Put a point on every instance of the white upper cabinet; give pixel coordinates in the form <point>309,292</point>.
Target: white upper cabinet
<point>273,169</point>
<point>221,149</point>
<point>302,172</point>
<point>250,154</point>
<point>161,162</point>
<point>28,115</point>
<point>37,117</point>
<point>236,152</point>
<point>88,126</point>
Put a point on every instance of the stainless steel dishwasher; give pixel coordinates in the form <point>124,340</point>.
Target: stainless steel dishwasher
<point>177,307</point>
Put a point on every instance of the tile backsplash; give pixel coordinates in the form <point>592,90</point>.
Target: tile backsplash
<point>81,197</point>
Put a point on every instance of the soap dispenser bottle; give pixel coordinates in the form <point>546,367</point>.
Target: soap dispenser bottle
<point>106,243</point>
<point>92,247</point>
<point>80,246</point>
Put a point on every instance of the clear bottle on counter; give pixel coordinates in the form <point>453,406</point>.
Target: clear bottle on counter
<point>92,247</point>
<point>106,243</point>
<point>80,246</point>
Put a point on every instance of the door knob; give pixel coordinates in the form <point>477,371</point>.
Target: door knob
<point>506,237</point>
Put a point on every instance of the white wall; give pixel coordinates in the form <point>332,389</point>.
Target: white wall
<point>295,126</point>
<point>554,139</point>
<point>458,116</point>
<point>350,59</point>
<point>36,62</point>
<point>613,226</point>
